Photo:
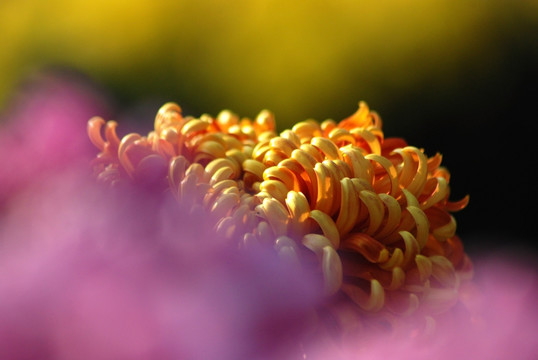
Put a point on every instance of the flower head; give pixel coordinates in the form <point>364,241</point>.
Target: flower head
<point>370,215</point>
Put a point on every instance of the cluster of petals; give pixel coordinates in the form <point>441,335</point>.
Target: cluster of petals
<point>370,215</point>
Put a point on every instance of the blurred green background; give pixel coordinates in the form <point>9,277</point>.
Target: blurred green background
<point>457,77</point>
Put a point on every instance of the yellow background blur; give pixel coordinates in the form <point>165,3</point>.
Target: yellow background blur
<point>450,76</point>
<point>298,58</point>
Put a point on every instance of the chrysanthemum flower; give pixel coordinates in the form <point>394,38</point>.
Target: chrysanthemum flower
<point>371,215</point>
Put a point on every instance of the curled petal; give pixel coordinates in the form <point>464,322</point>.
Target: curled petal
<point>437,194</point>
<point>414,172</point>
<point>231,142</point>
<point>306,130</point>
<point>327,147</point>
<point>390,144</point>
<point>170,135</point>
<point>372,302</point>
<point>442,224</point>
<point>286,176</point>
<point>287,250</point>
<point>133,155</point>
<point>226,119</point>
<point>393,214</point>
<point>299,210</point>
<point>395,260</point>
<point>254,167</point>
<point>237,157</point>
<point>275,189</point>
<point>217,164</point>
<point>412,247</point>
<point>224,173</point>
<point>312,151</point>
<point>308,163</point>
<point>223,205</point>
<point>169,114</point>
<point>390,170</point>
<point>341,137</point>
<point>424,266</point>
<point>349,207</point>
<point>361,185</point>
<point>188,190</point>
<point>360,167</point>
<point>176,171</point>
<point>434,162</point>
<point>250,241</point>
<point>241,214</point>
<point>125,143</point>
<point>110,135</point>
<point>335,176</point>
<point>343,169</point>
<point>327,226</point>
<point>324,197</point>
<point>358,119</point>
<point>283,241</point>
<point>443,271</point>
<point>273,157</point>
<point>365,136</point>
<point>303,179</point>
<point>375,210</point>
<point>392,279</point>
<point>264,233</point>
<point>276,214</point>
<point>291,136</point>
<point>94,132</point>
<point>316,243</point>
<point>332,270</point>
<point>398,279</point>
<point>265,121</point>
<point>261,148</point>
<point>371,249</point>
<point>445,231</point>
<point>216,190</point>
<point>151,169</point>
<point>266,135</point>
<point>454,206</point>
<point>226,227</point>
<point>422,225</point>
<point>209,150</point>
<point>197,170</point>
<point>327,126</point>
<point>213,137</point>
<point>194,126</point>
<point>164,148</point>
<point>283,145</point>
<point>410,199</point>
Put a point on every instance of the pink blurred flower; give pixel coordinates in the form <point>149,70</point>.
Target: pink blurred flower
<point>497,320</point>
<point>43,129</point>
<point>87,274</point>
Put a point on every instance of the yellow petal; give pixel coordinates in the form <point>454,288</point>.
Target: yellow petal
<point>299,210</point>
<point>372,302</point>
<point>327,226</point>
<point>327,147</point>
<point>332,270</point>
